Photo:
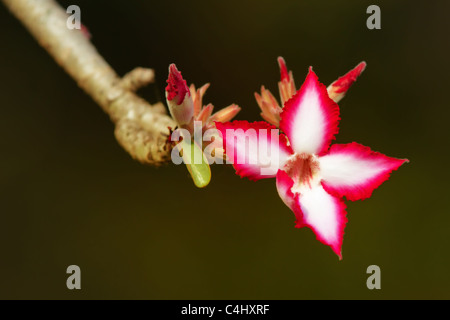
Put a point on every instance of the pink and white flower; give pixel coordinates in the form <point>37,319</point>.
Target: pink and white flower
<point>312,177</point>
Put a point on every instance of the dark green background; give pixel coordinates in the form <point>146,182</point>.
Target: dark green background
<point>70,195</point>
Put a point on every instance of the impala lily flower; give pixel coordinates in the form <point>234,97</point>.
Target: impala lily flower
<point>269,105</point>
<point>311,177</point>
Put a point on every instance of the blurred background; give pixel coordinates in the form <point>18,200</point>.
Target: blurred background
<point>69,194</point>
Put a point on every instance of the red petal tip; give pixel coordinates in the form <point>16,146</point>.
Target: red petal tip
<point>176,85</point>
<point>344,83</point>
<point>283,69</point>
<point>312,75</point>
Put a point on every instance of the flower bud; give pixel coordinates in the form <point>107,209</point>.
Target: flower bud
<point>269,106</point>
<point>179,99</point>
<point>287,85</point>
<point>339,88</point>
<point>226,114</point>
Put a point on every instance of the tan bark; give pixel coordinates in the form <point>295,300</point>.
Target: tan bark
<point>141,128</point>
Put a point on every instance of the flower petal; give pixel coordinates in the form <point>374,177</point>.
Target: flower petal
<point>257,150</point>
<point>310,119</point>
<point>325,215</point>
<point>354,171</point>
<point>284,186</point>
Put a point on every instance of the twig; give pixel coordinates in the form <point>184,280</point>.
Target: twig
<point>141,129</point>
<point>137,78</point>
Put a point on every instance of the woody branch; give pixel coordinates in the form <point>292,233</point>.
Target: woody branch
<point>141,128</point>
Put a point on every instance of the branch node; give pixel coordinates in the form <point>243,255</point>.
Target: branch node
<point>137,78</point>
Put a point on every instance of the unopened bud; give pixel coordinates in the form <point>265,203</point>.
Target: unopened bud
<point>179,100</point>
<point>287,85</point>
<point>226,114</point>
<point>338,88</point>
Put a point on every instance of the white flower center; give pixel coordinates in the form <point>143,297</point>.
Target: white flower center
<point>304,170</point>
